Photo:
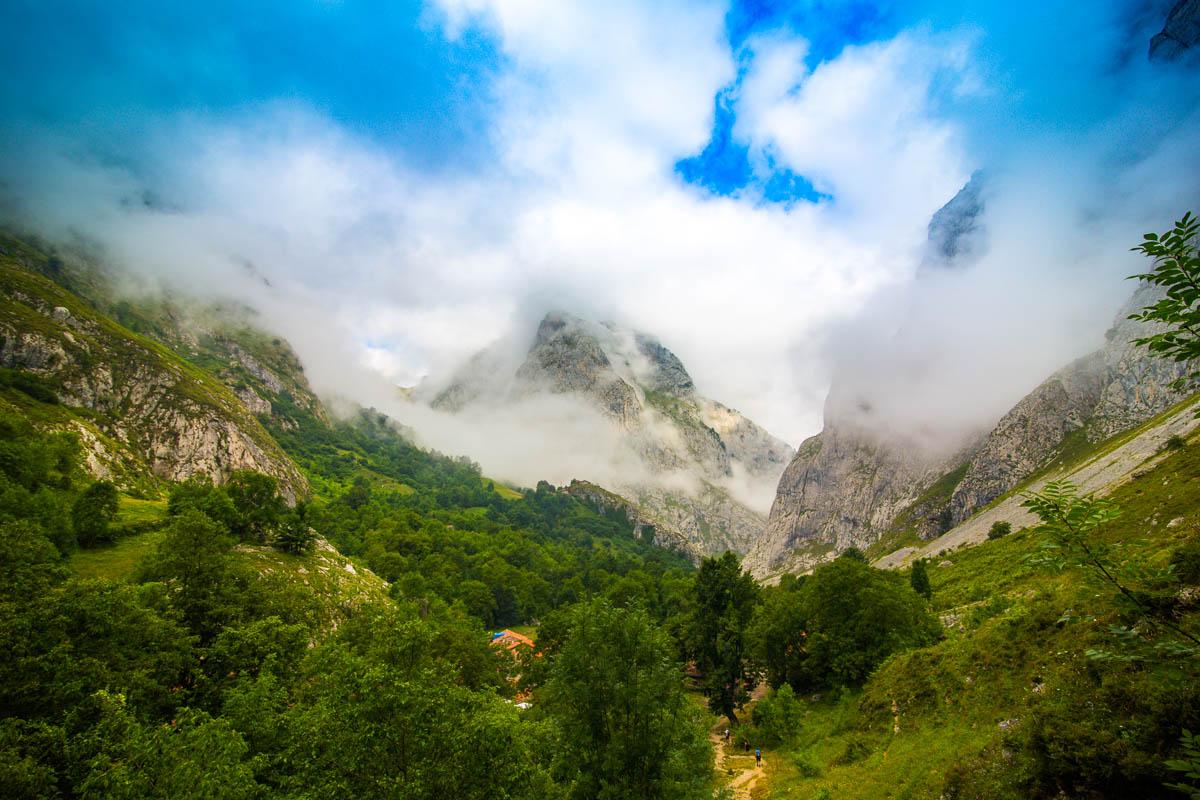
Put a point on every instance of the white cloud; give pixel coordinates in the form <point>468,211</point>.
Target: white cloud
<point>382,272</point>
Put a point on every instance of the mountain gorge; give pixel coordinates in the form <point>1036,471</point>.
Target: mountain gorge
<point>692,469</point>
<point>859,484</point>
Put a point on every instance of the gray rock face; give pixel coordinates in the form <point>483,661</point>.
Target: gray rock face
<point>567,358</point>
<point>1180,33</point>
<point>1101,394</point>
<point>698,447</point>
<point>657,530</point>
<point>667,373</point>
<point>844,488</point>
<point>149,411</point>
<point>848,488</point>
<point>956,231</point>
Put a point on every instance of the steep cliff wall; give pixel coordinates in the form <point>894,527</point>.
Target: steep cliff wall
<point>139,408</point>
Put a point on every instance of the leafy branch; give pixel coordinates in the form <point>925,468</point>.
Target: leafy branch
<point>1176,267</point>
<point>1070,521</point>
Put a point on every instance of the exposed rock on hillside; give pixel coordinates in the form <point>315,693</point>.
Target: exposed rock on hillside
<point>1101,394</point>
<point>656,530</point>
<point>699,451</point>
<point>846,487</point>
<point>138,407</point>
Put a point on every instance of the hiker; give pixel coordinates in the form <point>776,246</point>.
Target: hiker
<point>746,745</point>
<point>727,734</point>
<point>758,756</point>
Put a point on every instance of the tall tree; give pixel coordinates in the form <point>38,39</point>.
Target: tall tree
<point>776,635</point>
<point>193,559</point>
<point>855,617</point>
<point>919,579</point>
<point>93,513</point>
<point>726,597</point>
<point>628,730</point>
<point>256,503</point>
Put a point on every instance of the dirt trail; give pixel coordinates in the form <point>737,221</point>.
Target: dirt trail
<point>747,775</point>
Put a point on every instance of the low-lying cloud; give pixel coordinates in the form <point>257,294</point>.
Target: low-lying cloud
<point>381,272</point>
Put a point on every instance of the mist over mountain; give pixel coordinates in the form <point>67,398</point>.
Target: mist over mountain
<point>580,184</point>
<point>615,407</point>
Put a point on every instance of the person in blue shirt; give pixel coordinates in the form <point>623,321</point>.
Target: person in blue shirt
<point>758,756</point>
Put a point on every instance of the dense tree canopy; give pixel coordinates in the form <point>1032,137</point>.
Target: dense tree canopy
<point>726,598</point>
<point>834,627</point>
<point>616,692</point>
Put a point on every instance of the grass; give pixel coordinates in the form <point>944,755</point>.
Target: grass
<point>525,630</point>
<point>507,492</point>
<point>135,512</point>
<point>1015,634</point>
<point>117,561</point>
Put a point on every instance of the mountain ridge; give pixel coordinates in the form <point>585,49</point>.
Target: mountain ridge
<point>698,452</point>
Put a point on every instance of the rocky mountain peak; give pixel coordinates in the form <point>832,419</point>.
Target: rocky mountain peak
<point>956,229</point>
<point>1180,33</point>
<point>694,456</point>
<point>667,373</point>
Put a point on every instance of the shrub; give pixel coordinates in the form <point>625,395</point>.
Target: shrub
<point>805,766</point>
<point>1175,442</point>
<point>919,579</point>
<point>999,529</point>
<point>856,750</point>
<point>1186,561</point>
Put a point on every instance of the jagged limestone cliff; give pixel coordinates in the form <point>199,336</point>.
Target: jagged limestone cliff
<point>697,452</point>
<point>1103,393</point>
<point>849,487</point>
<point>141,411</point>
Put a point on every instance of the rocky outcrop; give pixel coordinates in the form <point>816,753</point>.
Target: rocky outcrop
<point>644,527</point>
<point>566,358</point>
<point>696,449</point>
<point>1180,33</point>
<point>848,487</point>
<point>845,488</point>
<point>1104,393</point>
<point>956,234</point>
<point>172,418</point>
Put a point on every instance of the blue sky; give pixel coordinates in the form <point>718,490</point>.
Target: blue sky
<point>385,70</point>
<point>744,179</point>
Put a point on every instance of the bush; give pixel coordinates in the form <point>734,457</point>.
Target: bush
<point>1186,561</point>
<point>1175,442</point>
<point>856,750</point>
<point>919,579</point>
<point>999,529</point>
<point>93,514</point>
<point>30,383</point>
<point>805,767</point>
<point>777,717</point>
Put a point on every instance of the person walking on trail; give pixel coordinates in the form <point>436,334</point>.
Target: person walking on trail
<point>727,734</point>
<point>758,756</point>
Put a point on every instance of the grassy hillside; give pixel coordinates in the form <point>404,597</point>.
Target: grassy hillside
<point>1009,704</point>
<point>132,400</point>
